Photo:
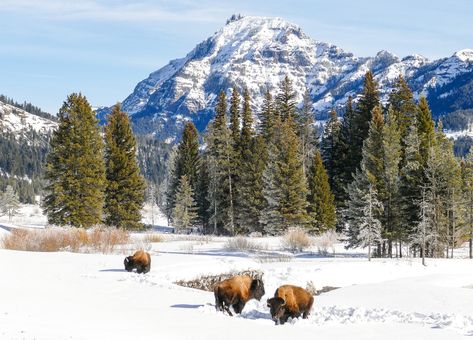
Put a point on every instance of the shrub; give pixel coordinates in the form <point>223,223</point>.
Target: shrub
<point>296,240</point>
<point>240,243</point>
<point>325,241</point>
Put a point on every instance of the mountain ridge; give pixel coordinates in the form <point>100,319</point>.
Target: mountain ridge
<point>257,52</point>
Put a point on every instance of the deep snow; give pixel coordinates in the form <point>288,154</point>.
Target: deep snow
<point>89,296</point>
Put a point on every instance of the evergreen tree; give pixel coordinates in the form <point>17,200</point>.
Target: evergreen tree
<point>306,131</point>
<point>267,116</point>
<point>247,132</point>
<point>330,149</point>
<point>467,185</point>
<point>367,102</point>
<point>286,101</point>
<point>184,214</point>
<point>235,115</point>
<point>285,185</point>
<point>424,232</point>
<point>125,186</point>
<point>75,168</point>
<point>392,158</point>
<point>321,207</point>
<point>401,101</point>
<point>9,203</point>
<point>348,148</point>
<point>425,128</point>
<point>221,187</point>
<point>370,226</point>
<point>411,181</point>
<point>187,161</point>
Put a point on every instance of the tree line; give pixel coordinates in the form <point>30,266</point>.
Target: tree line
<point>385,176</point>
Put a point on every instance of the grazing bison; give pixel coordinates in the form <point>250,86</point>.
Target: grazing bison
<point>236,292</point>
<point>140,260</point>
<point>290,301</point>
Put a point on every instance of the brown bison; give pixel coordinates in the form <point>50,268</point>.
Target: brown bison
<point>236,292</point>
<point>140,260</point>
<point>290,301</point>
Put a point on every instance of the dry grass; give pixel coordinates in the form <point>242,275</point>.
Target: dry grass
<point>208,282</point>
<point>98,239</point>
<point>153,237</point>
<point>273,258</point>
<point>296,240</point>
<point>325,241</point>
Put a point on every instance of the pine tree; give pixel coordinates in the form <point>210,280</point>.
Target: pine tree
<point>467,185</point>
<point>184,214</point>
<point>285,185</point>
<point>267,116</point>
<point>370,227</point>
<point>411,181</point>
<point>401,101</point>
<point>125,186</point>
<point>425,128</point>
<point>330,149</point>
<point>348,148</point>
<point>187,161</point>
<point>321,207</point>
<point>286,101</point>
<point>392,158</point>
<point>367,102</point>
<point>235,115</point>
<point>424,231</point>
<point>306,130</point>
<point>221,187</point>
<point>75,169</point>
<point>247,132</point>
<point>9,203</point>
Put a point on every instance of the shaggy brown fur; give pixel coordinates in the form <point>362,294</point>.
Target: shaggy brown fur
<point>140,260</point>
<point>290,301</point>
<point>236,292</point>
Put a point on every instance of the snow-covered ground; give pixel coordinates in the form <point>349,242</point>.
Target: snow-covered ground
<point>66,295</point>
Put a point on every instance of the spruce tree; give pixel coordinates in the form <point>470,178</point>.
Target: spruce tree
<point>467,190</point>
<point>348,148</point>
<point>187,161</point>
<point>392,159</point>
<point>125,186</point>
<point>306,130</point>
<point>220,154</point>
<point>235,115</point>
<point>401,101</point>
<point>321,207</point>
<point>331,149</point>
<point>285,184</point>
<point>267,116</point>
<point>286,101</point>
<point>184,214</point>
<point>425,128</point>
<point>368,100</point>
<point>75,170</point>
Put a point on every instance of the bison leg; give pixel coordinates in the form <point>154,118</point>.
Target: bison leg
<point>146,268</point>
<point>238,306</point>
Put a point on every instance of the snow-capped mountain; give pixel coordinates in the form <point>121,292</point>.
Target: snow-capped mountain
<point>257,52</point>
<point>20,123</point>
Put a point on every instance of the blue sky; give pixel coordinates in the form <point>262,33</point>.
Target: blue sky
<point>103,48</point>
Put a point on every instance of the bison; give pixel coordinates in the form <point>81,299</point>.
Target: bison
<point>236,292</point>
<point>140,260</point>
<point>290,301</point>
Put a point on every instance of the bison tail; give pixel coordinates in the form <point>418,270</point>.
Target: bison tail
<point>218,301</point>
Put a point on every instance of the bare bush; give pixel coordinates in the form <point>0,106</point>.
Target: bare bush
<point>208,282</point>
<point>296,240</point>
<point>154,238</point>
<point>56,239</point>
<point>326,241</point>
<point>240,243</point>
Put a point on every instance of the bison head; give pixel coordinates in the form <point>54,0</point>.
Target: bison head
<point>277,308</point>
<point>129,263</point>
<point>257,289</point>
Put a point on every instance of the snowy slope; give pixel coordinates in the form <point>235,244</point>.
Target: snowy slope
<point>19,122</point>
<point>257,52</point>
